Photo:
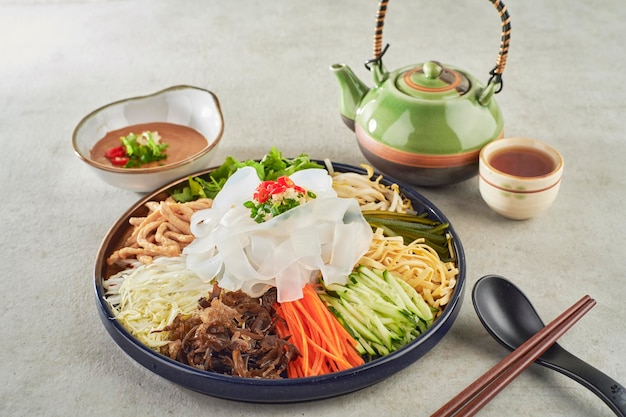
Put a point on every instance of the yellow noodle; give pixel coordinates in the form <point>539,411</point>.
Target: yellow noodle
<point>417,263</point>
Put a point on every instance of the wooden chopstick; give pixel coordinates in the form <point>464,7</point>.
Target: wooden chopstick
<point>469,401</point>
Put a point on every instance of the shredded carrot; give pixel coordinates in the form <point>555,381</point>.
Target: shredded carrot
<point>325,345</point>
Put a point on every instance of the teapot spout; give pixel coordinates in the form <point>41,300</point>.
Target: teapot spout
<point>352,90</point>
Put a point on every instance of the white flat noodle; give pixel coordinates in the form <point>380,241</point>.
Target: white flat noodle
<point>203,221</point>
<point>290,281</point>
<point>206,267</point>
<point>328,235</point>
<point>241,186</point>
<point>316,180</point>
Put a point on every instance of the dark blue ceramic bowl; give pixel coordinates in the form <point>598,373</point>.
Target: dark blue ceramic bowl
<point>282,390</point>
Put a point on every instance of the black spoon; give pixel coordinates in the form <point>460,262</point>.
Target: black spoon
<point>510,318</point>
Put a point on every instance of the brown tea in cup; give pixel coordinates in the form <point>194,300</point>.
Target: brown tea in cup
<point>522,162</point>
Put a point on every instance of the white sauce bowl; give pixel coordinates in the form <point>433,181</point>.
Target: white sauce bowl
<point>184,105</point>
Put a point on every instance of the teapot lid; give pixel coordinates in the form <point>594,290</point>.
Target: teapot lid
<point>433,80</point>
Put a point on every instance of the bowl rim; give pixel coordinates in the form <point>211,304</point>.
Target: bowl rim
<point>175,371</point>
<point>161,168</point>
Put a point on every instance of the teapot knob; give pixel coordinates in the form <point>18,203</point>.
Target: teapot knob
<point>432,69</point>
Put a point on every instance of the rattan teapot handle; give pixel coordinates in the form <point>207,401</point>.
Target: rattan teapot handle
<point>498,69</point>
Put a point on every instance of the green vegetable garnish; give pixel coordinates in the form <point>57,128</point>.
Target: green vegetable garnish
<point>273,198</point>
<point>271,167</point>
<point>143,149</point>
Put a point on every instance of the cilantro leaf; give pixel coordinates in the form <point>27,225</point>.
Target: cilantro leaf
<point>143,149</point>
<point>270,167</point>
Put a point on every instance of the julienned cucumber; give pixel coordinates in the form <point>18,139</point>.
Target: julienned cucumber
<point>380,310</point>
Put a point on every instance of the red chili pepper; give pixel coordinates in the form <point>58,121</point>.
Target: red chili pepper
<point>262,193</point>
<point>266,189</point>
<point>115,152</point>
<point>277,189</point>
<point>117,155</point>
<point>287,182</point>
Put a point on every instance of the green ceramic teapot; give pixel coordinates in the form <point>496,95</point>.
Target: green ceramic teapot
<point>424,124</point>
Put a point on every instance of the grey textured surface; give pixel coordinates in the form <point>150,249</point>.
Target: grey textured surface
<point>268,64</point>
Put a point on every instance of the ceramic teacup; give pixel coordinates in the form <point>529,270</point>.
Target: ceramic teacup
<point>519,177</point>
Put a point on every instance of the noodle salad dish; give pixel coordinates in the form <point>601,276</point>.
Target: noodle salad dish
<point>280,279</point>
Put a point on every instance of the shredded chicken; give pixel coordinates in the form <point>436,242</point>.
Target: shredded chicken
<point>164,231</point>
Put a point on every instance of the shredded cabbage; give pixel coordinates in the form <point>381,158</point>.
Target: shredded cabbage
<point>146,298</point>
<point>326,235</point>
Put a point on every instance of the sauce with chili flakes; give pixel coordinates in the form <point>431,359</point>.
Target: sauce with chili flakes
<point>183,142</point>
